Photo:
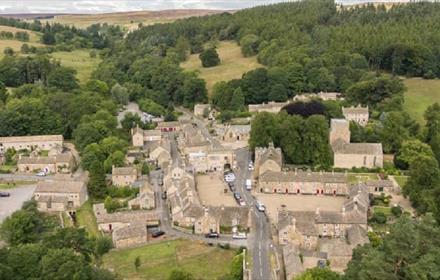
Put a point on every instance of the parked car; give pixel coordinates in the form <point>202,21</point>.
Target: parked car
<point>237,195</point>
<point>212,235</point>
<point>239,235</point>
<point>242,202</point>
<point>41,174</point>
<point>248,184</point>
<point>260,206</point>
<point>157,233</point>
<point>5,194</point>
<point>164,195</point>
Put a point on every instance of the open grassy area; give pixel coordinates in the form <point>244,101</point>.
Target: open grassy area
<point>79,60</point>
<point>401,180</point>
<point>86,218</point>
<point>232,64</point>
<point>130,20</point>
<point>385,210</point>
<point>158,260</point>
<point>34,37</point>
<point>361,177</point>
<point>419,95</point>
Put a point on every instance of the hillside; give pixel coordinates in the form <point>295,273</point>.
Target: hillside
<point>34,38</point>
<point>232,64</point>
<point>419,95</point>
<point>130,20</point>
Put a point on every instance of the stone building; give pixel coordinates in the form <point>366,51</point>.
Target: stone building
<point>268,159</point>
<point>192,140</point>
<point>234,133</point>
<point>301,182</point>
<point>145,200</point>
<point>327,96</point>
<point>128,228</point>
<point>60,195</point>
<point>199,109</point>
<point>379,186</point>
<point>168,126</point>
<point>222,220</point>
<point>159,152</point>
<point>140,137</point>
<point>61,163</point>
<point>349,155</point>
<point>42,142</point>
<point>357,114</point>
<point>124,176</point>
<point>333,234</point>
<point>212,160</point>
<point>270,107</point>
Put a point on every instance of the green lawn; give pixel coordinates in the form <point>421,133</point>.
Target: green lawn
<point>7,168</point>
<point>385,210</point>
<point>158,260</point>
<point>79,60</point>
<point>361,177</point>
<point>232,64</point>
<point>401,180</point>
<point>419,95</point>
<point>86,218</point>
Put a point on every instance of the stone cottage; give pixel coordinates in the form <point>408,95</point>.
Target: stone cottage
<point>356,114</point>
<point>124,176</point>
<point>233,133</point>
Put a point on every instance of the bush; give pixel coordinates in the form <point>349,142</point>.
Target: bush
<point>209,58</point>
<point>111,205</point>
<point>122,192</point>
<point>378,218</point>
<point>396,211</point>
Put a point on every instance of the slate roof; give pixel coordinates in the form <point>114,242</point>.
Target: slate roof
<point>130,231</point>
<point>340,147</point>
<point>302,176</point>
<point>124,171</point>
<point>129,217</point>
<point>60,186</point>
<point>239,129</point>
<point>354,110</point>
<point>34,138</point>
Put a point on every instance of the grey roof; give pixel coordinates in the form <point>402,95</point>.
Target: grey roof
<point>129,217</point>
<point>36,160</point>
<point>271,153</point>
<point>354,110</point>
<point>52,198</point>
<point>304,221</point>
<point>340,147</point>
<point>242,129</point>
<point>301,176</point>
<point>357,235</point>
<point>60,186</point>
<point>380,183</point>
<point>130,231</point>
<point>124,171</point>
<point>292,260</point>
<point>33,138</point>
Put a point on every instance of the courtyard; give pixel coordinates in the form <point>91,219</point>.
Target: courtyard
<point>274,202</point>
<point>211,189</point>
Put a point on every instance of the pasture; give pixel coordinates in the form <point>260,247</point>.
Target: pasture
<point>232,65</point>
<point>419,95</point>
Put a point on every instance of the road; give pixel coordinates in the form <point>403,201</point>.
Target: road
<point>259,242</point>
<point>23,177</point>
<point>202,126</point>
<point>164,212</point>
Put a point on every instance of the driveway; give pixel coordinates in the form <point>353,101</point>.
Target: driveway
<point>9,205</point>
<point>129,108</point>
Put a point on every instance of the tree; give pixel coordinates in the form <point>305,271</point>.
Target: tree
<point>194,90</point>
<point>278,92</point>
<point>97,187</point>
<point>410,150</point>
<point>137,263</point>
<point>209,58</point>
<point>394,131</point>
<point>318,274</point>
<point>182,48</point>
<point>97,86</point>
<point>63,78</point>
<point>237,100</point>
<point>8,51</point>
<point>119,94</point>
<point>111,205</point>
<point>145,170</point>
<point>423,185</point>
<point>3,93</point>
<point>262,130</point>
<point>64,264</point>
<point>178,274</point>
<point>25,48</point>
<point>249,45</point>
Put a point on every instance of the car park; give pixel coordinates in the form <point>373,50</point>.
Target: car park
<point>260,206</point>
<point>5,194</point>
<point>239,235</point>
<point>157,233</point>
<point>212,235</point>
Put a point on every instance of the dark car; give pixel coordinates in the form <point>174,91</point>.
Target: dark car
<point>5,194</point>
<point>157,233</point>
<point>164,195</point>
<point>212,235</point>
<point>237,195</point>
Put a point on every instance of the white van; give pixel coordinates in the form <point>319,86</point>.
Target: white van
<point>248,184</point>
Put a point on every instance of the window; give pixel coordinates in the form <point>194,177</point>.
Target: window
<point>365,160</point>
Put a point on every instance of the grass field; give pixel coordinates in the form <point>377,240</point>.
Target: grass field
<point>419,95</point>
<point>34,37</point>
<point>401,180</point>
<point>130,20</point>
<point>86,218</point>
<point>79,60</point>
<point>158,260</point>
<point>232,64</point>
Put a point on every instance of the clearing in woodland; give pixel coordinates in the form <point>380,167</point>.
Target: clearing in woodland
<point>232,64</point>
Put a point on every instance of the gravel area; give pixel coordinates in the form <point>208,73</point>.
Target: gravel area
<point>211,190</point>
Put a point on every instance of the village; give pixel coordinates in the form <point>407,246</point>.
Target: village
<point>205,184</point>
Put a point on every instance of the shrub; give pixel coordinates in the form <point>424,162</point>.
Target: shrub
<point>209,58</point>
<point>378,218</point>
<point>396,211</point>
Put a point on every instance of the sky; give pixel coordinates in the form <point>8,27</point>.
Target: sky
<point>106,6</point>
